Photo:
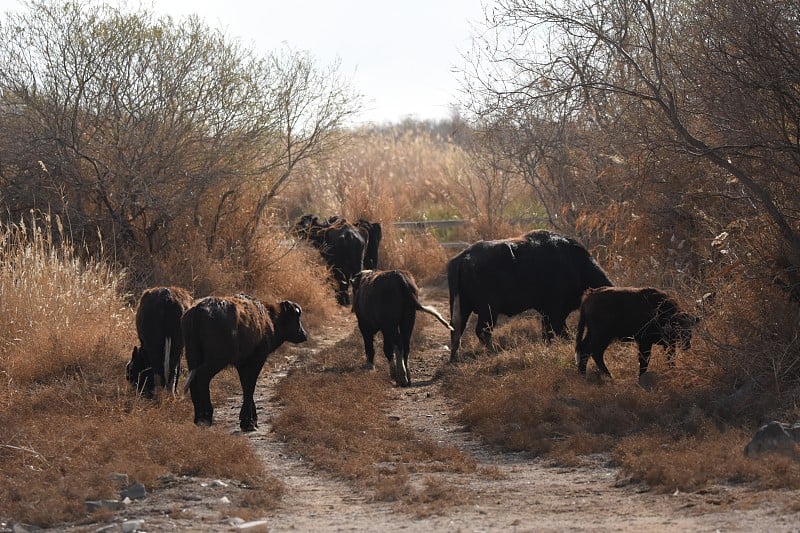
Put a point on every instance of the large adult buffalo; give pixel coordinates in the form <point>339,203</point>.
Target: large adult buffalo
<point>342,245</point>
<point>240,331</point>
<point>644,315</point>
<point>388,301</point>
<point>156,362</point>
<point>540,270</point>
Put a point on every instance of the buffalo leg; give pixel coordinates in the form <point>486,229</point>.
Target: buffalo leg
<point>369,346</point>
<point>174,366</point>
<point>459,316</point>
<point>390,345</point>
<point>201,396</point>
<point>596,349</point>
<point>484,327</point>
<point>644,356</point>
<point>343,291</point>
<point>597,356</point>
<point>248,375</point>
<point>554,324</point>
<point>406,329</point>
<point>547,329</point>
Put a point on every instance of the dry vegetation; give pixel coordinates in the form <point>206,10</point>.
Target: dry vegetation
<point>715,223</point>
<point>68,418</point>
<point>339,416</point>
<point>681,432</point>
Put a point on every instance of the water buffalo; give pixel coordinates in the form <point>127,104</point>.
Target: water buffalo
<point>240,331</point>
<point>374,234</point>
<point>388,301</point>
<point>371,231</point>
<point>540,270</point>
<point>644,315</point>
<point>156,362</point>
<point>342,245</point>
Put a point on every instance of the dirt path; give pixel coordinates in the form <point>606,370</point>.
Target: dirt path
<point>522,494</point>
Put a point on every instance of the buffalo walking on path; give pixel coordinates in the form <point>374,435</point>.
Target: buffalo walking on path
<point>240,331</point>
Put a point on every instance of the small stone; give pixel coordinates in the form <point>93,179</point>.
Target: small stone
<point>134,492</point>
<point>224,500</point>
<point>256,526</point>
<point>96,505</point>
<point>129,526</point>
<point>219,483</point>
<point>107,529</point>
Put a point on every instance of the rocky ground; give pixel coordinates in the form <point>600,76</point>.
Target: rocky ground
<point>523,494</point>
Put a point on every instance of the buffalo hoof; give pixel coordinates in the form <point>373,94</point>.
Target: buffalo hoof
<point>248,427</point>
<point>368,366</point>
<point>203,422</point>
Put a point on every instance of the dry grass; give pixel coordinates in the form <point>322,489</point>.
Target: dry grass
<point>679,435</point>
<point>339,416</point>
<point>68,419</point>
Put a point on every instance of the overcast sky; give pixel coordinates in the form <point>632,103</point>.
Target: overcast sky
<point>399,54</point>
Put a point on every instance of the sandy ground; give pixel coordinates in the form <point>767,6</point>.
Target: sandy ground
<point>524,494</point>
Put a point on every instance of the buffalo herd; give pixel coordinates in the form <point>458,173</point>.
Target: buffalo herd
<point>540,270</point>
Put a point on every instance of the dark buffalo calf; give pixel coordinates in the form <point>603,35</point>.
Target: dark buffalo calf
<point>388,301</point>
<point>646,316</point>
<point>157,361</point>
<point>239,331</point>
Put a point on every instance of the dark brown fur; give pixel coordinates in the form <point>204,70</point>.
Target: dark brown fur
<point>347,248</point>
<point>239,331</point>
<point>644,315</point>
<point>540,270</point>
<point>158,326</point>
<point>388,301</point>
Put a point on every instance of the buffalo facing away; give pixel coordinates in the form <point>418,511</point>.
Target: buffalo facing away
<point>347,248</point>
<point>644,315</point>
<point>240,331</point>
<point>156,362</point>
<point>388,301</point>
<point>540,270</point>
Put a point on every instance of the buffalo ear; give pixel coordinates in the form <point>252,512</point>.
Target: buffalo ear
<point>687,320</point>
<point>291,308</point>
<point>355,281</point>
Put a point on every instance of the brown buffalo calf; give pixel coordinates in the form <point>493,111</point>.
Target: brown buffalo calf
<point>388,301</point>
<point>646,316</point>
<point>157,361</point>
<point>239,331</point>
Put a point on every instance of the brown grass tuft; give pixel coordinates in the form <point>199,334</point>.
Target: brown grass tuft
<point>533,399</point>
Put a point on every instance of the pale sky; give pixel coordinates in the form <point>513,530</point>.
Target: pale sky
<point>399,54</point>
